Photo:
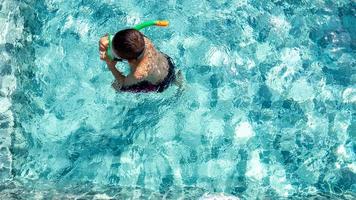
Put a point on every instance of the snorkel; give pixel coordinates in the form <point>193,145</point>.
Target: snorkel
<point>162,23</point>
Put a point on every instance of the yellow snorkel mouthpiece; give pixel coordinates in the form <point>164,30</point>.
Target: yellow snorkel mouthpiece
<point>162,23</point>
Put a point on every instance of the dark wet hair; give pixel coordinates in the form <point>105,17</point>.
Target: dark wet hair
<point>129,43</point>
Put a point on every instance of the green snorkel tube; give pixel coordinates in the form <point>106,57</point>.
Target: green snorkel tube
<point>138,27</point>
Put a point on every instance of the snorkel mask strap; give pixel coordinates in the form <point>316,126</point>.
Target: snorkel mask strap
<point>109,50</point>
<point>162,23</point>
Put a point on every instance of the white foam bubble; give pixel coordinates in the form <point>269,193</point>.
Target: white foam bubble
<point>170,47</point>
<point>255,169</point>
<point>52,5</point>
<point>279,182</point>
<point>215,128</point>
<point>317,123</point>
<point>240,3</point>
<point>247,36</point>
<point>243,131</point>
<point>5,104</point>
<point>291,56</point>
<point>301,91</point>
<point>8,85</point>
<point>69,22</point>
<point>226,93</point>
<point>11,27</point>
<point>133,18</point>
<point>218,197</point>
<point>326,92</point>
<point>349,95</point>
<point>129,169</point>
<point>352,167</point>
<point>238,59</point>
<point>193,41</point>
<point>213,168</point>
<point>79,25</point>
<point>102,197</point>
<point>217,57</point>
<point>280,24</point>
<point>5,56</point>
<point>341,151</point>
<point>263,50</point>
<point>250,64</point>
<point>281,77</point>
<point>342,122</point>
<point>194,45</point>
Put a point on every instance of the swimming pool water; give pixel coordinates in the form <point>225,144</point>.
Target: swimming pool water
<point>268,109</point>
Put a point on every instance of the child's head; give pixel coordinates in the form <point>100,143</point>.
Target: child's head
<point>128,44</point>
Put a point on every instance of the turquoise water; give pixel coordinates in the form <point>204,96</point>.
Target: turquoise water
<point>268,109</point>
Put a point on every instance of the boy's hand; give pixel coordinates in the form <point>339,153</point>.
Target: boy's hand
<point>111,64</point>
<point>103,46</point>
<point>104,43</point>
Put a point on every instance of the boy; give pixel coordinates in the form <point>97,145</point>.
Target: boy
<point>151,70</point>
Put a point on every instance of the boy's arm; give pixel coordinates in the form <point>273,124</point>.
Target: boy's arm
<point>131,79</point>
<point>118,75</point>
